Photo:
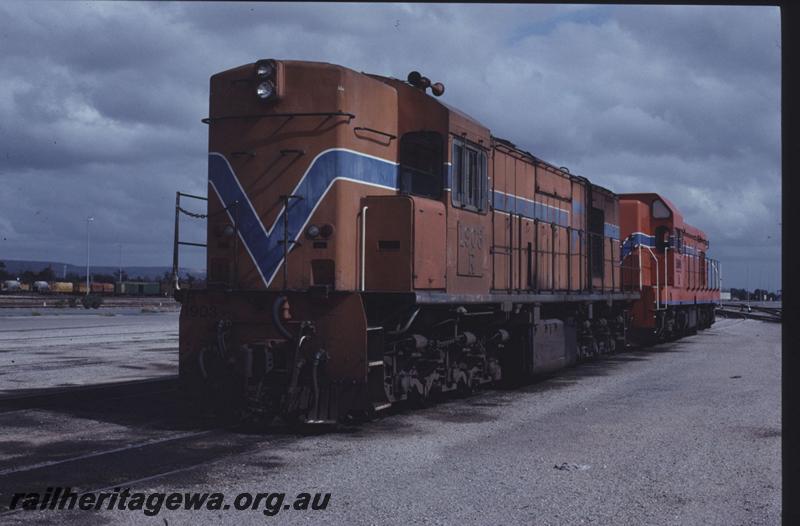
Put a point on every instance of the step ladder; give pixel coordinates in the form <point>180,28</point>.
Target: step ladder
<point>376,374</point>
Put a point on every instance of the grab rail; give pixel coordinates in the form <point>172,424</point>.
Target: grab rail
<point>666,274</point>
<point>658,291</point>
<point>363,243</point>
<point>373,130</point>
<point>177,241</point>
<point>329,114</point>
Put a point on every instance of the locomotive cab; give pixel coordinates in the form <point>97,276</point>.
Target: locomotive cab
<point>679,284</point>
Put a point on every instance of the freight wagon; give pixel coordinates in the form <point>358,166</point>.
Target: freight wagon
<point>62,287</point>
<point>136,288</point>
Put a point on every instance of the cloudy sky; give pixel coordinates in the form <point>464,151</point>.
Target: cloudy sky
<point>100,107</point>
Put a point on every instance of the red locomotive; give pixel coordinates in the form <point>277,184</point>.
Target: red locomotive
<point>679,284</point>
<point>369,244</point>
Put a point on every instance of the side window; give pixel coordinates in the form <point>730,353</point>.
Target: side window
<point>469,177</point>
<point>421,161</point>
<point>457,167</point>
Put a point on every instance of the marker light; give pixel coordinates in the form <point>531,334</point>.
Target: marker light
<point>264,70</point>
<point>312,231</point>
<point>265,90</point>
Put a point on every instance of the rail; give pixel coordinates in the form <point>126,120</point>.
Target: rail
<point>24,398</point>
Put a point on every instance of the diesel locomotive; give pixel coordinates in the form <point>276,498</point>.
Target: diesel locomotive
<point>368,244</point>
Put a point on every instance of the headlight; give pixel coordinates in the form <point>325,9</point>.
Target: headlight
<point>326,230</point>
<point>264,70</point>
<point>312,231</point>
<point>265,90</point>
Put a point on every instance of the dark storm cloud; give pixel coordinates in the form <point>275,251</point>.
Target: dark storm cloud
<point>736,41</point>
<point>100,105</point>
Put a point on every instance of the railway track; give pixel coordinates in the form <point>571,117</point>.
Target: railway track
<point>12,301</point>
<point>129,465</point>
<point>754,312</point>
<point>62,396</point>
<point>113,435</point>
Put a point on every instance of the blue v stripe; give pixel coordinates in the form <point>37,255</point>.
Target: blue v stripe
<point>266,246</point>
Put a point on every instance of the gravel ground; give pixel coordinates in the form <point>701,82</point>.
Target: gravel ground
<point>685,433</point>
<point>55,350</point>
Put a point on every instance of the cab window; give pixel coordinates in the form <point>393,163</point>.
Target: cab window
<point>660,210</point>
<point>421,162</point>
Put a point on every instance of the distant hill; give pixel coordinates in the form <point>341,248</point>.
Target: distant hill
<point>147,273</point>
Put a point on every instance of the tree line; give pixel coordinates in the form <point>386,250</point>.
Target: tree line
<point>47,274</point>
<point>755,295</point>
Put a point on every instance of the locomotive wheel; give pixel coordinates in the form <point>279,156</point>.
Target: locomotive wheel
<point>317,428</point>
<point>435,394</point>
<point>298,423</point>
<point>416,399</point>
<point>368,414</point>
<point>292,420</point>
<point>463,389</point>
<point>255,422</point>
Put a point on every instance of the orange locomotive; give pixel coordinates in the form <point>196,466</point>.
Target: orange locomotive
<point>369,244</point>
<point>679,284</point>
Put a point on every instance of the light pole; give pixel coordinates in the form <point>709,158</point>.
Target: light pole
<point>88,220</point>
<point>120,262</point>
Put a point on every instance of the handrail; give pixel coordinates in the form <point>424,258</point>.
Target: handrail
<point>363,243</point>
<point>640,267</point>
<point>658,305</point>
<point>294,151</point>
<point>373,130</point>
<point>200,197</point>
<point>177,241</point>
<point>286,198</point>
<point>350,116</point>
<point>666,273</point>
<point>553,195</point>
